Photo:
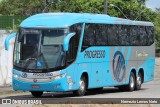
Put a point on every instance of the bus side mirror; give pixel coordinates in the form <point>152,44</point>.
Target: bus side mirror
<point>66,41</point>
<point>8,39</point>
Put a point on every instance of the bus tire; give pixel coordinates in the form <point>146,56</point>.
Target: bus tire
<point>131,85</point>
<point>138,81</point>
<point>37,93</point>
<point>82,87</point>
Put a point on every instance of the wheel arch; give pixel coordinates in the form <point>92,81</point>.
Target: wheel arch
<point>85,74</point>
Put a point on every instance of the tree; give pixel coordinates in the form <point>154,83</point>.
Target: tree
<point>79,6</point>
<point>29,7</point>
<point>157,27</point>
<point>21,7</point>
<point>133,9</point>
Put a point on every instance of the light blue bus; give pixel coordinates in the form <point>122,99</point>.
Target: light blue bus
<point>58,52</point>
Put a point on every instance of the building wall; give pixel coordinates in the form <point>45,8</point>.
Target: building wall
<point>6,59</point>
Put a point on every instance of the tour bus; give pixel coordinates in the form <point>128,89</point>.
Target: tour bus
<point>79,52</point>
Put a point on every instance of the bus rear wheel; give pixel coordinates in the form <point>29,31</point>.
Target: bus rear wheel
<point>37,93</point>
<point>138,82</point>
<point>131,85</point>
<point>82,87</point>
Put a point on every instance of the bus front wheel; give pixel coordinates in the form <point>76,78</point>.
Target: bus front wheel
<point>37,93</point>
<point>82,87</point>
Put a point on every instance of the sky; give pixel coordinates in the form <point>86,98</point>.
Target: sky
<point>153,4</point>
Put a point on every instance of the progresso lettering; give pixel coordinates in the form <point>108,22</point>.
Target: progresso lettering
<point>94,54</point>
<point>42,74</point>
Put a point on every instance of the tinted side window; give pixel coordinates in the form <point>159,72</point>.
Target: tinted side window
<point>150,35</point>
<point>89,38</point>
<point>134,36</point>
<point>101,35</point>
<point>143,36</point>
<point>112,35</point>
<point>123,37</point>
<point>74,42</point>
<point>117,35</point>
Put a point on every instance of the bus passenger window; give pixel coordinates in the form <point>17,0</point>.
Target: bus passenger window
<point>89,37</point>
<point>123,37</point>
<point>143,36</point>
<point>112,35</point>
<point>101,35</point>
<point>74,42</point>
<point>133,36</point>
<point>150,35</point>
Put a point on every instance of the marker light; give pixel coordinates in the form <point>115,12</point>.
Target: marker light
<point>15,76</point>
<point>59,76</point>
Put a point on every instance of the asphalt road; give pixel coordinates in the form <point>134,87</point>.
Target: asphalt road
<point>149,90</point>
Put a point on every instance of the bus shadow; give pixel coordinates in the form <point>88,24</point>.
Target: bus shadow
<point>89,93</point>
<point>70,94</point>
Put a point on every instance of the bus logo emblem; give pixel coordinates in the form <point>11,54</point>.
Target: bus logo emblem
<point>119,67</point>
<point>34,80</point>
<point>24,75</point>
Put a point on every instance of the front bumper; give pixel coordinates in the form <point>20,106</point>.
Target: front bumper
<point>53,81</point>
<point>54,86</point>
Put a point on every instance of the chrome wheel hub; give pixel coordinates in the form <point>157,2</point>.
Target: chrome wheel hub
<point>132,82</point>
<point>139,80</point>
<point>82,85</point>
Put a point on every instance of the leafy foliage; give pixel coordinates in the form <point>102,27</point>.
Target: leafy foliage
<point>21,7</point>
<point>133,9</point>
<point>157,27</point>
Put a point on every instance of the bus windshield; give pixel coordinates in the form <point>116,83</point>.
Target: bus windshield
<point>39,48</point>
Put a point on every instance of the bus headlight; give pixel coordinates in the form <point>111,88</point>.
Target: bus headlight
<point>15,76</point>
<point>59,76</point>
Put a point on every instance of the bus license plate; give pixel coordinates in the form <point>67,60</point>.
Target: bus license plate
<point>35,86</point>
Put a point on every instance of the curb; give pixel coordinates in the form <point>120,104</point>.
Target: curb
<point>12,92</point>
